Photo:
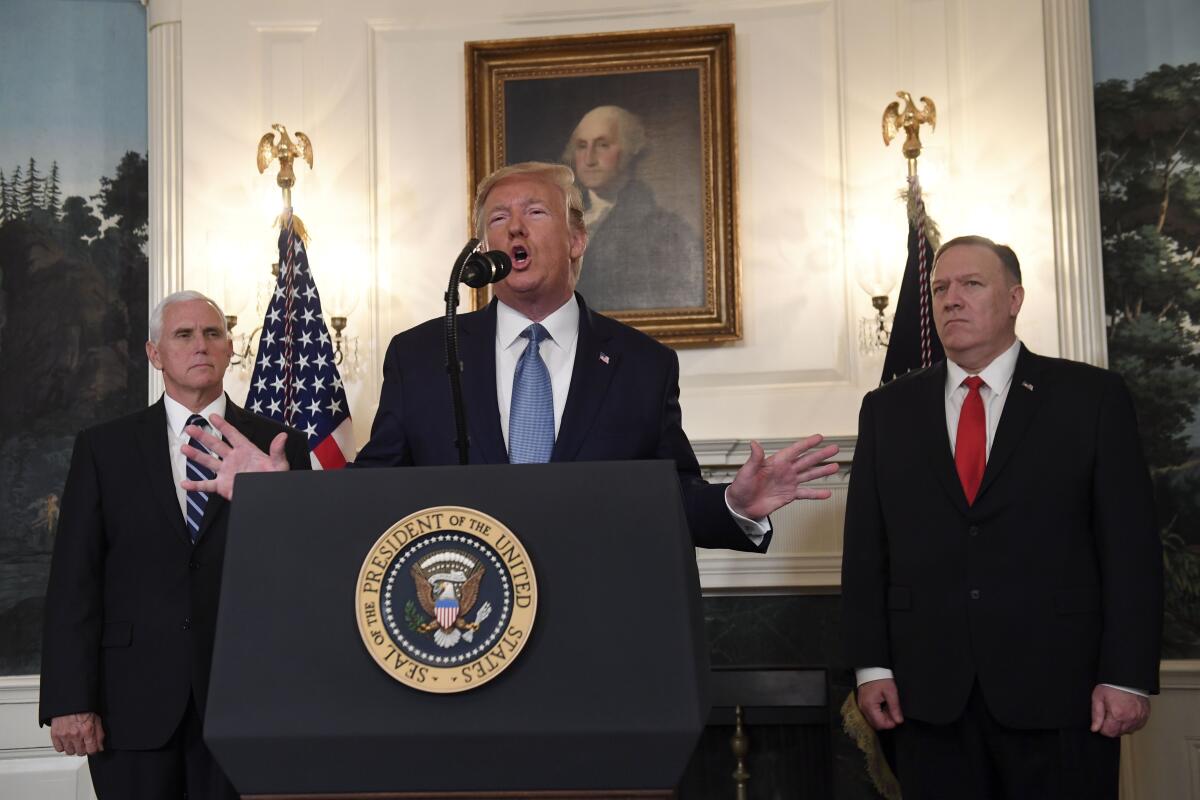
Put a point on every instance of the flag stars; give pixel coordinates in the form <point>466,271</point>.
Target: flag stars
<point>335,406</point>
<point>314,407</point>
<point>278,383</point>
<point>310,292</point>
<point>273,315</point>
<point>268,338</point>
<point>318,384</point>
<point>305,339</point>
<point>337,382</point>
<point>273,406</point>
<point>302,361</point>
<point>321,362</point>
<point>308,316</point>
<point>264,360</point>
<point>311,430</point>
<point>260,385</point>
<point>324,337</point>
<point>256,407</point>
<point>293,408</point>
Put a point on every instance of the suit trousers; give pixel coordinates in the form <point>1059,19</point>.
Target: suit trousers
<point>977,758</point>
<point>182,768</point>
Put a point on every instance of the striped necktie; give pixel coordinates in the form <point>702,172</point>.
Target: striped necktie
<point>531,415</point>
<point>196,501</point>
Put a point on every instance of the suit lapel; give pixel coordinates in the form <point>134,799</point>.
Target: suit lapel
<point>152,441</point>
<point>595,364</point>
<point>477,349</point>
<point>934,435</point>
<point>1019,409</point>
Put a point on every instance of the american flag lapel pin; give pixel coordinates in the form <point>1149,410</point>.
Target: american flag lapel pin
<point>604,357</point>
<point>1027,385</point>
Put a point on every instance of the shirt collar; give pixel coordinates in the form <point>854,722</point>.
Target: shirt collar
<point>997,375</point>
<point>562,325</point>
<point>178,414</point>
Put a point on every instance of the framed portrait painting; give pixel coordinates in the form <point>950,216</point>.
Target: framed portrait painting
<point>646,121</point>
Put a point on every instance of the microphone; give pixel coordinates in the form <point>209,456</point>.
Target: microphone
<point>482,268</point>
<point>476,270</point>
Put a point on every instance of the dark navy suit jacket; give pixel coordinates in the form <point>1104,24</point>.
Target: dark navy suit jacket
<point>1050,583</point>
<point>623,404</point>
<point>131,608</point>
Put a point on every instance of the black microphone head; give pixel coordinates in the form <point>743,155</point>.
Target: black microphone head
<point>503,264</point>
<point>484,268</point>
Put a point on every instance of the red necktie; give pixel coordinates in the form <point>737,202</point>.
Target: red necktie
<point>970,448</point>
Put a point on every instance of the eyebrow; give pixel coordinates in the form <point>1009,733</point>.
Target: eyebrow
<point>524,201</point>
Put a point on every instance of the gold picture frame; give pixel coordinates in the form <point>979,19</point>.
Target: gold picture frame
<point>675,205</point>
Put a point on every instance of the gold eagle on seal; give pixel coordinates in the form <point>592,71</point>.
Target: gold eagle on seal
<point>447,586</point>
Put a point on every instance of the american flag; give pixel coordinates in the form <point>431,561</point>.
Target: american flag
<point>914,342</point>
<point>295,380</point>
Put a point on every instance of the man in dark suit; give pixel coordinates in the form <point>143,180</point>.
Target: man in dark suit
<point>132,601</point>
<point>594,389</point>
<point>1002,573</point>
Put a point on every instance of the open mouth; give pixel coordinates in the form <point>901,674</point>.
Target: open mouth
<point>520,256</point>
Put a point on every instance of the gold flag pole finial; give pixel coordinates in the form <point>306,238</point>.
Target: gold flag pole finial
<point>910,121</point>
<point>286,151</point>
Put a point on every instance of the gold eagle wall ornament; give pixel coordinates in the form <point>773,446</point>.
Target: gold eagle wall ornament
<point>286,151</point>
<point>910,120</point>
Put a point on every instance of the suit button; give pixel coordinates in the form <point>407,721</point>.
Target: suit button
<point>974,594</point>
<point>973,530</point>
<point>193,564</point>
<point>187,624</point>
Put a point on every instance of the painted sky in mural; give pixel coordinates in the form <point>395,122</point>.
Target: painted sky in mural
<point>74,87</point>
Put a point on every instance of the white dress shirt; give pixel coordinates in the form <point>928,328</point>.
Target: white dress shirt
<point>997,380</point>
<point>558,351</point>
<point>177,417</point>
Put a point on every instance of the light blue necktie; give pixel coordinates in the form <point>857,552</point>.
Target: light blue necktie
<point>531,415</point>
<point>196,501</point>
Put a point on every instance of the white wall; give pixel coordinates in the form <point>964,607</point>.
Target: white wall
<point>379,87</point>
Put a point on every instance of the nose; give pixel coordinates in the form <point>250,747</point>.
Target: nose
<point>950,298</point>
<point>516,224</point>
<point>589,155</point>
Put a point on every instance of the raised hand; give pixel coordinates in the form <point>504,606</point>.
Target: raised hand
<point>229,456</point>
<point>767,483</point>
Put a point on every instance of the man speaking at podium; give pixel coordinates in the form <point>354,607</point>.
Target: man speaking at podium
<point>591,389</point>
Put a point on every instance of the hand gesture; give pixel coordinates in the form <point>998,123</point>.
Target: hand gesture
<point>765,484</point>
<point>229,456</point>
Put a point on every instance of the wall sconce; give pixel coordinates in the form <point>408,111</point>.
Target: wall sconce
<point>247,299</point>
<point>343,345</point>
<point>877,278</point>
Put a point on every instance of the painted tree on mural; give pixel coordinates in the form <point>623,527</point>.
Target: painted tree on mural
<point>72,326</point>
<point>1148,137</point>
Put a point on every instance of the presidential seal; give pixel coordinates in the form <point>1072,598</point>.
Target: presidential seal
<point>446,599</point>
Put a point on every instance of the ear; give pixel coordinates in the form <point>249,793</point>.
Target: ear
<point>579,240</point>
<point>152,355</point>
<point>1016,298</point>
